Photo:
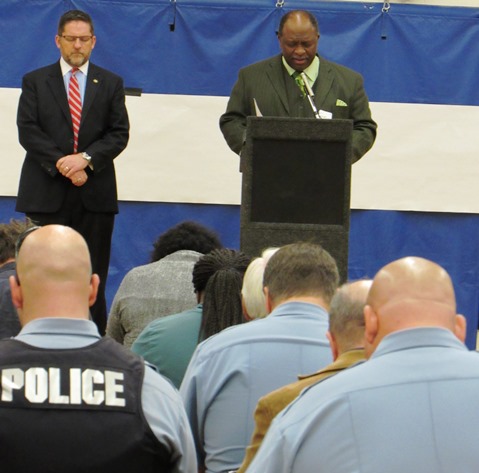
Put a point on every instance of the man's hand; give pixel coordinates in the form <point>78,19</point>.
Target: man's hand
<point>79,178</point>
<point>69,165</point>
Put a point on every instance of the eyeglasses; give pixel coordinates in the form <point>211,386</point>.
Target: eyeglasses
<point>72,39</point>
<point>21,239</point>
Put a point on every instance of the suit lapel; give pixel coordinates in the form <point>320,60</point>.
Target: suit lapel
<point>323,83</point>
<point>57,86</point>
<point>93,81</point>
<point>275,75</point>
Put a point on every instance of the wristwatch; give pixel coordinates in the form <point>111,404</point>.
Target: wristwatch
<point>87,157</point>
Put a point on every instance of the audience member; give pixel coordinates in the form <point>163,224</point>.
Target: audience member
<point>346,338</point>
<point>252,294</point>
<point>230,371</point>
<point>222,297</point>
<point>413,406</point>
<point>72,401</point>
<point>162,287</point>
<point>9,232</point>
<point>169,342</point>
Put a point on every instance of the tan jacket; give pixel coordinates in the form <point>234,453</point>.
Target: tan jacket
<point>273,403</point>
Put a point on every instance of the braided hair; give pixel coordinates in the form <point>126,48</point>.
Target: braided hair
<point>219,275</point>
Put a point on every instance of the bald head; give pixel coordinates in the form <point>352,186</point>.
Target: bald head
<point>298,36</point>
<point>54,274</point>
<point>411,292</point>
<point>346,316</point>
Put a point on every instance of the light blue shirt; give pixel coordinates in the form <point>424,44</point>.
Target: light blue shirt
<point>161,402</point>
<point>230,371</point>
<point>413,407</point>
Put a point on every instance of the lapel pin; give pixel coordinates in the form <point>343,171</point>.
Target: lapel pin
<point>95,81</point>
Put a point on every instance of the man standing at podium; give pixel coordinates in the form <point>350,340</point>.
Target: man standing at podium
<point>275,87</point>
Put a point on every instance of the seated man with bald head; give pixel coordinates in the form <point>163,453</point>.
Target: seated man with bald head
<point>70,400</point>
<point>412,407</point>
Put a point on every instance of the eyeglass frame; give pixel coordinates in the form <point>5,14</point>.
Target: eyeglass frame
<point>73,39</point>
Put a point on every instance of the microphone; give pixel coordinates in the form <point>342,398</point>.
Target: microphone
<point>310,94</point>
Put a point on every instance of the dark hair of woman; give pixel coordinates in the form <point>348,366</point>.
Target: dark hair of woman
<point>219,275</point>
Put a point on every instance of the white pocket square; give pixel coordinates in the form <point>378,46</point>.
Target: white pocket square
<point>341,103</point>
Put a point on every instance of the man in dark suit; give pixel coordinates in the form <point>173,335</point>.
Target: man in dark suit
<point>68,176</point>
<point>270,87</point>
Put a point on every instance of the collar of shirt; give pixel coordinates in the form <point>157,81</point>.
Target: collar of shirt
<point>418,337</point>
<point>66,68</point>
<point>298,309</point>
<point>312,71</point>
<point>66,73</point>
<point>59,332</point>
<point>7,267</point>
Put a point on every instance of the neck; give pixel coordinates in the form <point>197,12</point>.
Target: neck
<point>10,260</point>
<point>306,299</point>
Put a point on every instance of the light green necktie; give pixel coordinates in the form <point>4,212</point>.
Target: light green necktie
<point>299,82</point>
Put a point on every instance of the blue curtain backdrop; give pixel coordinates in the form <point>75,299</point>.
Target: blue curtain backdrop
<point>376,238</point>
<point>413,53</point>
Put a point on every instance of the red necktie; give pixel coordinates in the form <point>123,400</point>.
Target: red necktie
<point>74,100</point>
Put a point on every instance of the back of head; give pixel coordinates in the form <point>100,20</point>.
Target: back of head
<point>54,273</point>
<point>219,275</point>
<point>346,315</point>
<point>185,236</point>
<point>411,292</point>
<point>301,270</point>
<point>9,234</point>
<point>254,300</point>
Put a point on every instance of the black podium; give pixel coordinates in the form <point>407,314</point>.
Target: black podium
<point>296,185</point>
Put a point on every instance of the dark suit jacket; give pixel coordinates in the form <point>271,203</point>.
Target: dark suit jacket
<point>46,133</point>
<point>264,81</point>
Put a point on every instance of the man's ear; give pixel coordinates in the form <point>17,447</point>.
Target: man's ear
<point>269,302</point>
<point>333,345</point>
<point>460,327</point>
<point>94,283</point>
<point>16,290</point>
<point>371,324</point>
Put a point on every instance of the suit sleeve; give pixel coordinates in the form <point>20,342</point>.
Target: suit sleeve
<point>38,144</point>
<point>364,127</point>
<point>233,121</point>
<point>114,138</point>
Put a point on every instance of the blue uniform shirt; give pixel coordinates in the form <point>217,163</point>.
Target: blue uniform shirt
<point>230,371</point>
<point>413,407</point>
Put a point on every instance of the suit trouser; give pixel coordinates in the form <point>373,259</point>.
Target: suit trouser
<point>96,228</point>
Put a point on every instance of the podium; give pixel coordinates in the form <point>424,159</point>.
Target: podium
<point>296,185</point>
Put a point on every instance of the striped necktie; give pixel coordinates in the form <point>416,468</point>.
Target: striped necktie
<point>74,100</point>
